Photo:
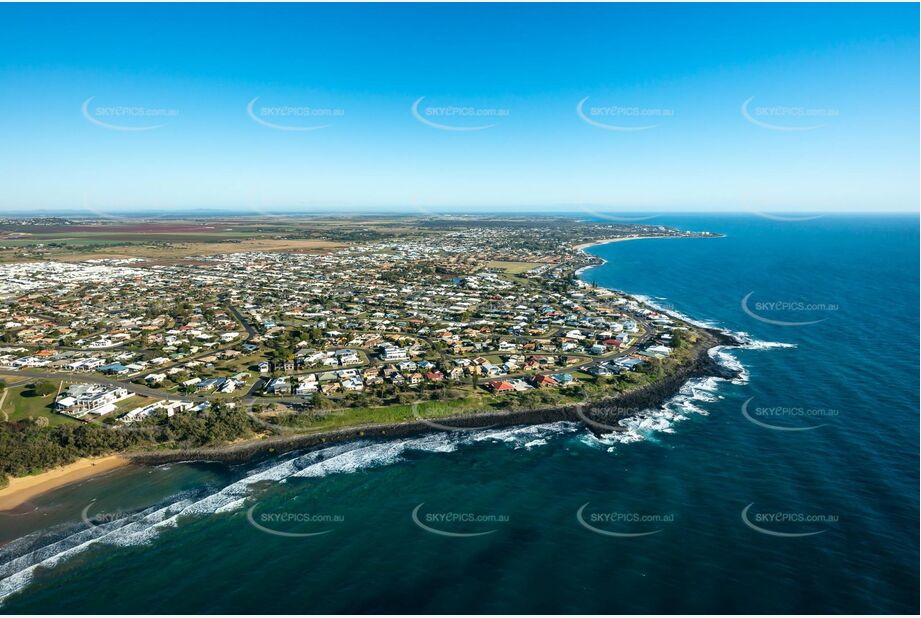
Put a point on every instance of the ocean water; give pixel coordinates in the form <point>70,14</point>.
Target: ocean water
<point>791,489</point>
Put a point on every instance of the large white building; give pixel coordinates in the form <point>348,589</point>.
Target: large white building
<point>82,399</point>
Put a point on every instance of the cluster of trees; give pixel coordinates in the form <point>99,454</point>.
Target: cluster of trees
<point>27,447</point>
<point>217,425</point>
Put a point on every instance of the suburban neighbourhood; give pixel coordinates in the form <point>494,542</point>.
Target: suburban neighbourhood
<point>491,312</point>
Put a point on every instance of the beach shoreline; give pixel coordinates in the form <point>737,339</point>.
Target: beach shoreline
<point>609,410</point>
<point>605,412</point>
<point>20,490</point>
<point>604,241</point>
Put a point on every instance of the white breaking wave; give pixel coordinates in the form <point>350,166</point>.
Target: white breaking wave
<point>647,423</point>
<point>753,344</point>
<point>21,558</point>
<point>521,437</point>
<point>671,311</point>
<point>723,358</point>
<point>643,426</point>
<point>746,341</point>
<point>17,572</point>
<point>590,266</point>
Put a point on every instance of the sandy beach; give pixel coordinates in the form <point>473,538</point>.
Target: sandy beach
<point>21,490</point>
<point>605,241</point>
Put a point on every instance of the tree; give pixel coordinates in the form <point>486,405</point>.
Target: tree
<point>320,401</point>
<point>43,388</point>
<point>679,339</point>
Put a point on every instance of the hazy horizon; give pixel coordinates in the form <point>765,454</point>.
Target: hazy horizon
<point>522,210</point>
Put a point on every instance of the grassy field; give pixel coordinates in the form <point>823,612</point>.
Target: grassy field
<point>513,268</point>
<point>129,403</point>
<point>82,239</point>
<point>352,417</point>
<point>169,250</point>
<point>21,403</point>
<point>168,239</point>
<point>475,402</point>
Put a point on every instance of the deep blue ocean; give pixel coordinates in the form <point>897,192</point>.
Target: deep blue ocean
<point>793,489</point>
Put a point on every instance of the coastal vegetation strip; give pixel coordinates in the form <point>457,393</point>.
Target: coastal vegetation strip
<point>473,321</point>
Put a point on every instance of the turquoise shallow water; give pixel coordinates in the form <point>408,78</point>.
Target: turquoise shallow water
<point>685,474</point>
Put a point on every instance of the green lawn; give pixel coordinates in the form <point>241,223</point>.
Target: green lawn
<point>130,403</point>
<point>513,268</point>
<point>21,403</point>
<point>353,417</point>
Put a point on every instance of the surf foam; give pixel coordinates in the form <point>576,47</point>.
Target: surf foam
<point>22,557</point>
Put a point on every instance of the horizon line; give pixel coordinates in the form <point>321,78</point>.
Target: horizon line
<point>441,211</point>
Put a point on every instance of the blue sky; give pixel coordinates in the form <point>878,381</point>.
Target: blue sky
<point>143,107</point>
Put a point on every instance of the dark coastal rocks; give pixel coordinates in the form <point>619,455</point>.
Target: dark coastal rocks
<point>606,413</point>
<point>600,417</point>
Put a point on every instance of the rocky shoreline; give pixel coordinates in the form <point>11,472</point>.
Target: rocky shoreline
<point>600,416</point>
